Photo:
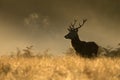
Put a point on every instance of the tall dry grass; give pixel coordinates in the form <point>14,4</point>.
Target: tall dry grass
<point>67,67</point>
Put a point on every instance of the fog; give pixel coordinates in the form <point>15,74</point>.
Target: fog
<point>43,24</point>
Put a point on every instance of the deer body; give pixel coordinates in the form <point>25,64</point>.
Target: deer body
<point>85,49</point>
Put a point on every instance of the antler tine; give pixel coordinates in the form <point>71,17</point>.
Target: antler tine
<point>68,29</point>
<point>84,20</point>
<point>72,26</point>
<point>74,23</point>
<point>80,25</point>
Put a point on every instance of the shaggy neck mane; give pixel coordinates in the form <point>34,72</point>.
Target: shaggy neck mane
<point>75,42</point>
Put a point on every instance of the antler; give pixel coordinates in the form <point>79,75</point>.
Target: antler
<point>80,25</point>
<point>72,26</point>
<point>74,23</point>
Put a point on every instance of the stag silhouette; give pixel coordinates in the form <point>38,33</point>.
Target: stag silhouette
<point>82,48</point>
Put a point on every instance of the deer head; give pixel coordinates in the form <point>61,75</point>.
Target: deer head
<point>73,32</point>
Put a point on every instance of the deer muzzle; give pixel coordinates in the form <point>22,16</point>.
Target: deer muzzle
<point>66,37</point>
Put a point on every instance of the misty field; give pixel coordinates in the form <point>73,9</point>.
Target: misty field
<point>67,67</point>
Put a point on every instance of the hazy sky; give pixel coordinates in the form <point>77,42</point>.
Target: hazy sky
<point>43,23</point>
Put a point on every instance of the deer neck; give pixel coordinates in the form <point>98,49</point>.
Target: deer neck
<point>76,40</point>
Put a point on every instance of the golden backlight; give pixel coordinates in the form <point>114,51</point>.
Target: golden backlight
<point>44,23</point>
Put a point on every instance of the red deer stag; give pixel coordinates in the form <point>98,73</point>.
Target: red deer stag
<point>82,48</point>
